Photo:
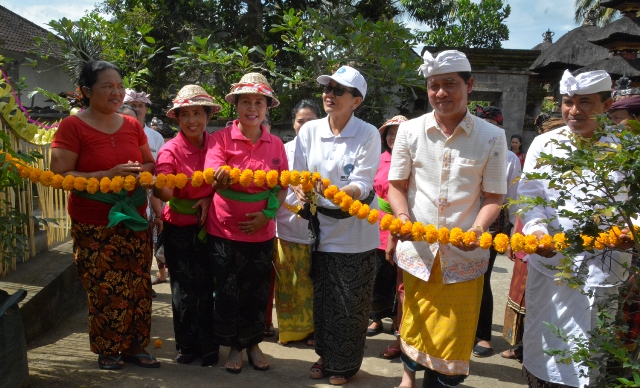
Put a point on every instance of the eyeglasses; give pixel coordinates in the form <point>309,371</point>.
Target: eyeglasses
<point>337,90</point>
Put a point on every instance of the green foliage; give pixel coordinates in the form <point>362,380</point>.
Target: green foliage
<point>605,170</point>
<point>464,23</point>
<point>604,15</point>
<point>548,106</point>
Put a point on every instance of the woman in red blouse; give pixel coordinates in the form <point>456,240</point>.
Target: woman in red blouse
<point>113,259</point>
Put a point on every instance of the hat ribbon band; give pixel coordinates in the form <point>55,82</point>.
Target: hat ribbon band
<point>259,87</point>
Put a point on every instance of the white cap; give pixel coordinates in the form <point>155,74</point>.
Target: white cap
<point>448,61</point>
<point>347,76</point>
<point>585,83</point>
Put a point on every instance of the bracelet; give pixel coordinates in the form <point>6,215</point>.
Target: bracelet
<point>399,214</point>
<point>353,188</point>
<point>480,228</point>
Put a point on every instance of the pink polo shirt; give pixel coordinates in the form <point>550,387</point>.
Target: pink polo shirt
<point>177,156</point>
<point>230,147</point>
<point>381,187</point>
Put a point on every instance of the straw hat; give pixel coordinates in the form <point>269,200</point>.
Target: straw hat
<point>396,120</point>
<point>192,95</point>
<point>252,83</point>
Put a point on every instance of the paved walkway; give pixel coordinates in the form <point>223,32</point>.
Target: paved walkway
<point>61,357</point>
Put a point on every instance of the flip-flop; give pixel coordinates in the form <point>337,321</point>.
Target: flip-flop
<point>104,366</point>
<point>512,354</point>
<point>390,353</point>
<point>316,371</point>
<point>135,359</point>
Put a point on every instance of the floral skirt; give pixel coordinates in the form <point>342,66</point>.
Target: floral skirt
<point>294,290</point>
<point>114,267</point>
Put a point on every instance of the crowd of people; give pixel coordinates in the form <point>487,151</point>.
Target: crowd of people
<point>229,249</point>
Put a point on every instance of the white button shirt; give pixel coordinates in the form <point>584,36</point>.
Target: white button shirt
<point>352,157</point>
<point>447,177</point>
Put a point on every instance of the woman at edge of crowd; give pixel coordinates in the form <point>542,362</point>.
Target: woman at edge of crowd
<point>191,270</point>
<point>240,225</point>
<point>96,143</point>
<point>387,275</point>
<point>292,255</point>
<point>346,150</point>
<point>517,147</point>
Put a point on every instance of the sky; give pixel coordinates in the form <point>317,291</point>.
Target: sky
<point>529,19</point>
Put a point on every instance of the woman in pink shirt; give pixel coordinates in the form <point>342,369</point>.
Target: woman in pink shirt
<point>240,222</point>
<point>191,272</point>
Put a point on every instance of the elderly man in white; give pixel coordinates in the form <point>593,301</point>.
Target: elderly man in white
<point>448,169</point>
<point>585,93</point>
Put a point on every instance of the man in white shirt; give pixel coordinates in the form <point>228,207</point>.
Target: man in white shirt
<point>585,94</point>
<point>448,169</point>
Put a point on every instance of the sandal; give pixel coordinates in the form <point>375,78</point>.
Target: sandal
<point>390,353</point>
<point>316,371</point>
<point>310,340</point>
<point>512,354</point>
<point>270,331</point>
<point>338,380</point>
<point>135,359</point>
<point>117,362</point>
<point>234,361</point>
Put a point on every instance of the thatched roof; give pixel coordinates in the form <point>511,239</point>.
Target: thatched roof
<point>542,46</point>
<point>618,66</point>
<point>620,34</point>
<point>616,3</point>
<point>572,50</point>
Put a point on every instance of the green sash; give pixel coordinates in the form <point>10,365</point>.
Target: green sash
<point>124,207</point>
<point>185,206</point>
<point>270,195</point>
<point>384,206</point>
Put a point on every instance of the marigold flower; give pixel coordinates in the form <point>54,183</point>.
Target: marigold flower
<point>326,182</point>
<point>315,177</point>
<point>417,231</point>
<point>430,234</point>
<point>285,178</point>
<point>24,171</point>
<point>93,185</point>
<point>295,178</point>
<point>486,240</point>
<point>530,244</point>
<point>116,184</point>
<point>346,203</point>
<point>455,236</point>
<point>67,183</point>
<point>246,177</point>
<point>406,228</point>
<point>547,242</point>
<point>443,236</point>
<point>385,222</point>
<point>601,241</point>
<point>272,178</point>
<point>330,191</point>
<point>587,241</point>
<point>46,177</point>
<point>517,242</point>
<point>105,185</point>
<point>305,176</point>
<point>355,207</point>
<point>145,179</point>
<point>337,198</point>
<point>56,181</point>
<point>207,175</point>
<point>170,181</point>
<point>374,215</point>
<point>80,183</point>
<point>161,181</point>
<point>197,178</point>
<point>157,344</point>
<point>614,232</point>
<point>259,176</point>
<point>560,241</point>
<point>501,242</point>
<point>364,212</point>
<point>129,183</point>
<point>34,176</point>
<point>234,174</point>
<point>181,180</point>
<point>396,226</point>
<point>307,187</point>
<point>469,238</point>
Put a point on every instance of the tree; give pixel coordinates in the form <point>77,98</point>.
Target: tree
<point>603,15</point>
<point>462,23</point>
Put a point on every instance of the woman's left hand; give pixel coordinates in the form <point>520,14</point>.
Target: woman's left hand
<point>203,204</point>
<point>258,220</point>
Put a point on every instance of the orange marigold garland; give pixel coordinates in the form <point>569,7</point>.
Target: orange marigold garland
<point>560,241</point>
<point>129,183</point>
<point>146,178</point>
<point>355,208</point>
<point>161,181</point>
<point>272,178</point>
<point>34,175</point>
<point>285,178</point>
<point>93,185</point>
<point>67,182</point>
<point>443,236</point>
<point>530,244</point>
<point>469,238</point>
<point>501,242</point>
<point>374,214</point>
<point>46,177</point>
<point>330,192</point>
<point>430,234</point>
<point>234,174</point>
<point>207,175</point>
<point>105,185</point>
<point>486,240</point>
<point>181,180</point>
<point>80,183</point>
<point>116,184</point>
<point>259,177</point>
<point>406,228</point>
<point>396,226</point>
<point>417,231</point>
<point>364,212</point>
<point>171,181</point>
<point>385,222</point>
<point>455,236</point>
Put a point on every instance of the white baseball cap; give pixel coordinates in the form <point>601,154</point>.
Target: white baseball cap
<point>347,76</point>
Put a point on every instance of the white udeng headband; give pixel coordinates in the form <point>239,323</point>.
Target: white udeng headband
<point>586,83</point>
<point>448,61</point>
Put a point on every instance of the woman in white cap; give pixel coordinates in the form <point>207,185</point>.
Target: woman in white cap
<point>240,225</point>
<point>345,150</point>
<point>187,208</point>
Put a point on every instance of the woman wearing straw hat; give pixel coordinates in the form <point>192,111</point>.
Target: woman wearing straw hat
<point>186,254</point>
<point>240,222</point>
<point>345,150</point>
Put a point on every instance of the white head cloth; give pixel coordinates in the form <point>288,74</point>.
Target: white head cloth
<point>586,83</point>
<point>132,95</point>
<point>448,61</point>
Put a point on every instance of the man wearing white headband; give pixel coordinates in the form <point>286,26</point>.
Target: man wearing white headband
<point>448,169</point>
<point>585,94</point>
